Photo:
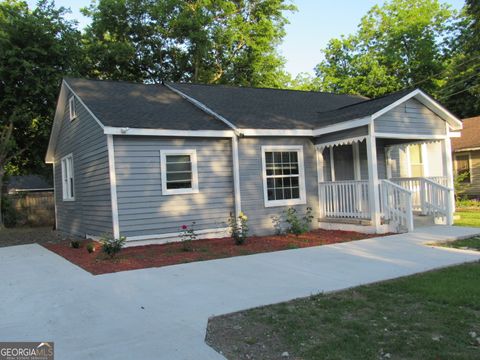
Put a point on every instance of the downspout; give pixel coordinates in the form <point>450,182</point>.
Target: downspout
<point>236,176</point>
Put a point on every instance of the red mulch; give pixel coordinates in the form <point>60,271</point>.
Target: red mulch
<point>140,257</point>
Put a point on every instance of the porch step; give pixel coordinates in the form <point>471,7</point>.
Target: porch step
<point>363,222</point>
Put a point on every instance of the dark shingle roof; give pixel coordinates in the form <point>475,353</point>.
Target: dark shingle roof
<point>360,110</point>
<point>470,135</point>
<point>27,182</point>
<point>124,104</point>
<point>257,108</point>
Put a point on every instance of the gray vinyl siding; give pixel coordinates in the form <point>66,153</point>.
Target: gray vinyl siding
<point>251,183</point>
<point>142,208</point>
<point>90,213</point>
<point>344,134</point>
<point>410,117</point>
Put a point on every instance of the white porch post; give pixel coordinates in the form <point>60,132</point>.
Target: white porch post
<point>320,179</point>
<point>373,183</point>
<point>448,172</point>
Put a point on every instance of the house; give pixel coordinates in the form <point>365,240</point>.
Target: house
<point>141,160</point>
<point>466,156</point>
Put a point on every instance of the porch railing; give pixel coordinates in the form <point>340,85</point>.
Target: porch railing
<point>417,186</point>
<point>345,199</point>
<point>396,204</point>
<point>430,196</point>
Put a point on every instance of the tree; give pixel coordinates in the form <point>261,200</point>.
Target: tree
<point>227,41</point>
<point>461,91</point>
<point>398,45</point>
<point>36,49</point>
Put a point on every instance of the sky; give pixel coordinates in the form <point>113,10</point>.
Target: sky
<point>310,28</point>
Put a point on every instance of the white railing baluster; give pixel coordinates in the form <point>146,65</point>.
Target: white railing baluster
<point>345,199</point>
<point>397,204</point>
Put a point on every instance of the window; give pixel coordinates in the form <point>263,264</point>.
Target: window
<point>462,167</point>
<point>283,175</point>
<point>179,172</point>
<point>67,178</point>
<point>416,160</point>
<point>71,108</point>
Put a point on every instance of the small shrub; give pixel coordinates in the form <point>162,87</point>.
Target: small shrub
<point>9,214</point>
<point>90,248</point>
<point>467,203</point>
<point>298,225</point>
<point>277,225</point>
<point>112,246</point>
<point>75,244</point>
<point>238,228</point>
<point>188,235</point>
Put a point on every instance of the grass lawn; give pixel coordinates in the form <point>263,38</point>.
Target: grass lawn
<point>468,218</point>
<point>435,315</point>
<point>469,244</point>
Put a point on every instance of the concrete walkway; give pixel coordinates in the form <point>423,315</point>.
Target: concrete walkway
<point>162,313</point>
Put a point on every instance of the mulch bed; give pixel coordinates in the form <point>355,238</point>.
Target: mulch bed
<point>140,257</point>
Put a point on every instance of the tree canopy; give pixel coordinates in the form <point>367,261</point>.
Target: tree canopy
<point>208,41</point>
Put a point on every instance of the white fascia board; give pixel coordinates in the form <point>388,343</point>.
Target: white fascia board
<point>455,134</point>
<point>345,125</point>
<point>426,100</point>
<point>202,106</point>
<point>163,132</point>
<point>467,149</point>
<point>83,104</point>
<point>57,124</point>
<point>409,136</point>
<point>276,132</point>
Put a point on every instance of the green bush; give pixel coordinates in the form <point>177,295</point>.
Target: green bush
<point>112,246</point>
<point>238,228</point>
<point>188,235</point>
<point>298,225</point>
<point>9,214</point>
<point>466,203</point>
<point>90,248</point>
<point>75,244</point>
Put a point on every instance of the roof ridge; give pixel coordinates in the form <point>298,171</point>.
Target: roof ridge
<point>267,88</point>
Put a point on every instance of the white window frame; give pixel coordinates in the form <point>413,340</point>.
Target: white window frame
<point>163,171</point>
<point>68,172</point>
<point>72,110</point>
<point>301,176</point>
<point>470,169</point>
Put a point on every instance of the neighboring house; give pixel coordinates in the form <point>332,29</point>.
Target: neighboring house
<point>466,156</point>
<point>141,160</point>
<point>27,183</point>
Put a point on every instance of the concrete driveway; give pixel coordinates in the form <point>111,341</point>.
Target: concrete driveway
<point>162,313</point>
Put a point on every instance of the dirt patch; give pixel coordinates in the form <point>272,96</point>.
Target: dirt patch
<point>27,235</point>
<point>140,257</point>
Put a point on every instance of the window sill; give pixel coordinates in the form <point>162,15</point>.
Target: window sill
<point>72,199</point>
<point>290,202</point>
<point>180,191</point>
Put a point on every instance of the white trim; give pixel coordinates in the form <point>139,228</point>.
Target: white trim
<point>55,197</point>
<point>83,104</point>
<point>113,187</point>
<point>173,237</point>
<point>467,149</point>
<point>429,103</point>
<point>236,177</point>
<point>409,136</point>
<point>72,110</point>
<point>332,165</point>
<point>276,132</point>
<point>68,170</point>
<point>163,171</point>
<point>470,168</point>
<point>356,161</point>
<point>320,179</point>
<point>163,132</point>
<point>345,125</point>
<point>455,134</point>
<point>388,157</point>
<point>56,127</point>
<point>373,181</point>
<point>301,176</point>
<point>202,106</point>
<point>347,141</point>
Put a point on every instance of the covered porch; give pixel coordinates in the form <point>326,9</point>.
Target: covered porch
<point>382,182</point>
